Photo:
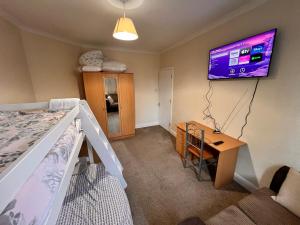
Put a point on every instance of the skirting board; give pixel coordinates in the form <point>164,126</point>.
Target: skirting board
<point>173,132</point>
<point>245,183</point>
<point>150,124</point>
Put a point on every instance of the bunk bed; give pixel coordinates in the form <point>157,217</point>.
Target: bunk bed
<point>39,147</point>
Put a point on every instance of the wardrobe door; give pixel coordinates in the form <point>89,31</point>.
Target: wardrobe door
<point>127,104</point>
<point>94,92</point>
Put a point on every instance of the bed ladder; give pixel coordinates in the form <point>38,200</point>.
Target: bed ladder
<point>97,139</point>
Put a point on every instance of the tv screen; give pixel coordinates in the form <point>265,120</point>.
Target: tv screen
<point>249,57</point>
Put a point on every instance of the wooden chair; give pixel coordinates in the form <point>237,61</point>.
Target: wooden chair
<point>194,149</point>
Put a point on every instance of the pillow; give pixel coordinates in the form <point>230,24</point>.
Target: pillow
<point>289,193</point>
<point>63,104</point>
<point>91,58</point>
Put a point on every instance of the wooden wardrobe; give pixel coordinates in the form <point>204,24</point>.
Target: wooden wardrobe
<point>111,98</point>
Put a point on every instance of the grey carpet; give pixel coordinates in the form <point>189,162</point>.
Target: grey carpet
<point>160,190</point>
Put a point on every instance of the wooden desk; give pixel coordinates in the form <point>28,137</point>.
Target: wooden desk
<point>227,152</point>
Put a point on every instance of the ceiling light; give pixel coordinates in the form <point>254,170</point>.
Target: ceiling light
<point>130,4</point>
<point>125,29</point>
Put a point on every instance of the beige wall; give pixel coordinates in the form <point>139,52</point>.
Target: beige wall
<point>53,67</point>
<point>145,68</point>
<point>15,83</point>
<point>273,129</point>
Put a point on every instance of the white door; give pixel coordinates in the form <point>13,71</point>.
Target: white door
<point>165,86</point>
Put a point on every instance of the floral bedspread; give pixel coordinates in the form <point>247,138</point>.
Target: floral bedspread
<point>33,201</point>
<point>19,130</point>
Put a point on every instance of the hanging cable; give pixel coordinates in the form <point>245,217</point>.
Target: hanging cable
<point>124,14</point>
<point>206,112</point>
<point>234,108</point>
<point>249,110</point>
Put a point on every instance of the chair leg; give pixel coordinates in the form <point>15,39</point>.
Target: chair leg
<point>185,159</point>
<point>184,162</point>
<point>200,169</point>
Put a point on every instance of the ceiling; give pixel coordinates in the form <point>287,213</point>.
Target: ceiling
<point>159,23</point>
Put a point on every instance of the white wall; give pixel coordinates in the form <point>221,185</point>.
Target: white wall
<point>273,129</point>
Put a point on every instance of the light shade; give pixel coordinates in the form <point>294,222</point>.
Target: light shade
<point>125,30</point>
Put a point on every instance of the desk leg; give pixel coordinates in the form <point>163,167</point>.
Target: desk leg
<point>226,167</point>
<point>180,142</point>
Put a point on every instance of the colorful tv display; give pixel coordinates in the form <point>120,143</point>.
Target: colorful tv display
<point>247,58</point>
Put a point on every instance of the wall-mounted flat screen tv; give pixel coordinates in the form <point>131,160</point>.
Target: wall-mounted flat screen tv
<point>247,58</point>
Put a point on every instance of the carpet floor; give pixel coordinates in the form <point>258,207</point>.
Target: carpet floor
<point>160,190</point>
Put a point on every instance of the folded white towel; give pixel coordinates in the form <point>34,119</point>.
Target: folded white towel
<point>114,66</point>
<point>63,104</point>
<point>91,68</point>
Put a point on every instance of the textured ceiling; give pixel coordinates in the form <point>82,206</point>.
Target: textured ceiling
<point>160,23</point>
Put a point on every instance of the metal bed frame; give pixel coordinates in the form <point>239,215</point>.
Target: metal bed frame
<point>16,174</point>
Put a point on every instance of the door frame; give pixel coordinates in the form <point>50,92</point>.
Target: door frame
<point>172,94</point>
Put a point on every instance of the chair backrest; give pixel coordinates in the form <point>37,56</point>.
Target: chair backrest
<point>194,136</point>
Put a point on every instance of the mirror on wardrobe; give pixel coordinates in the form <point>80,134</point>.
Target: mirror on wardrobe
<point>112,105</point>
